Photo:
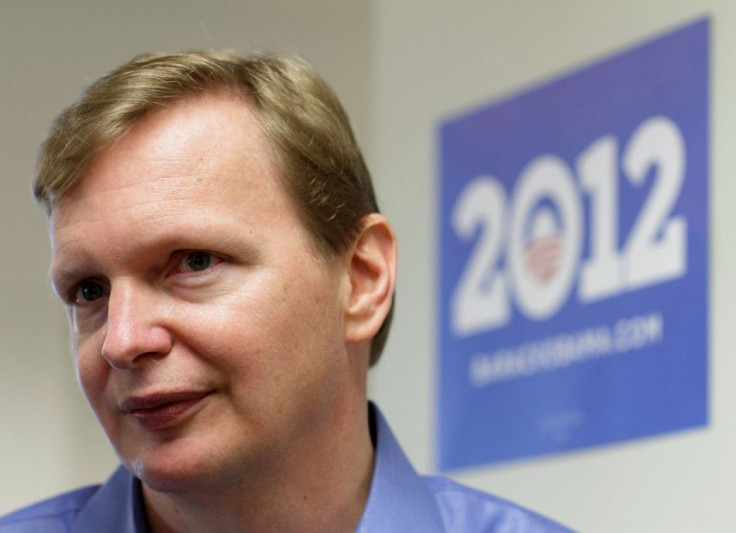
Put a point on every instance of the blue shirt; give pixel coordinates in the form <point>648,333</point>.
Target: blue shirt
<point>400,501</point>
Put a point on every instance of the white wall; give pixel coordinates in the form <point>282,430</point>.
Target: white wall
<point>400,67</point>
<point>436,59</point>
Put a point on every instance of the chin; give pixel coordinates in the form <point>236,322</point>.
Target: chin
<point>174,472</point>
<point>174,480</point>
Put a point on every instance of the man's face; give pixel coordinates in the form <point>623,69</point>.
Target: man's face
<point>208,334</point>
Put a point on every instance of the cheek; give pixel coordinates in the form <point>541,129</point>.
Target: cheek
<point>92,371</point>
<point>270,333</point>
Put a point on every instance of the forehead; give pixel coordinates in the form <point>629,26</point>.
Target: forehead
<point>200,158</point>
<point>189,133</point>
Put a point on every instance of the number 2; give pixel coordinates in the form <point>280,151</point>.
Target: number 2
<point>481,300</point>
<point>649,259</point>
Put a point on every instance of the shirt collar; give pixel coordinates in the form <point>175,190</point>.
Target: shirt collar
<point>399,500</point>
<point>116,508</point>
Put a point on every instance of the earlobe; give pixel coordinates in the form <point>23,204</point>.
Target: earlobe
<point>372,270</point>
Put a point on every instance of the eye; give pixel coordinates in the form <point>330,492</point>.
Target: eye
<point>198,261</point>
<point>89,291</point>
<point>194,261</point>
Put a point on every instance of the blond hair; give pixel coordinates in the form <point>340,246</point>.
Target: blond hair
<point>301,118</point>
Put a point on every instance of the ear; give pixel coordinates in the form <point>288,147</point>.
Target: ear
<point>371,264</point>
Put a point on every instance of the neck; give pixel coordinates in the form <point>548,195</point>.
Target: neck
<point>320,485</point>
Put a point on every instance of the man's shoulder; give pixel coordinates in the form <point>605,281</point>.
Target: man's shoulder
<point>401,500</point>
<point>51,515</point>
<point>467,509</point>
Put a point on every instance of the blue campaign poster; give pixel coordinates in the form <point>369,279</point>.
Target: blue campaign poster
<point>574,258</point>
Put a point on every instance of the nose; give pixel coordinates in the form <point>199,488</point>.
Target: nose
<point>135,326</point>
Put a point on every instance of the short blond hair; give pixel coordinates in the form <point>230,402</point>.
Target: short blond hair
<point>300,116</point>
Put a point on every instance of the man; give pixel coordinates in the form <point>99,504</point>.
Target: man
<point>229,281</point>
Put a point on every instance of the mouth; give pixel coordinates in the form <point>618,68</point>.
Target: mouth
<point>163,410</point>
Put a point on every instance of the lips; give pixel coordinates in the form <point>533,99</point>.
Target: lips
<point>162,410</point>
